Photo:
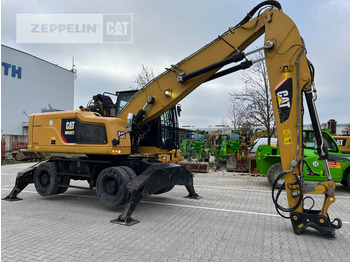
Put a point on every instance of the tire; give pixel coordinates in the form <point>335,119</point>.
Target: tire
<point>46,180</point>
<point>64,182</point>
<point>346,178</point>
<point>131,173</point>
<point>111,185</point>
<point>273,172</point>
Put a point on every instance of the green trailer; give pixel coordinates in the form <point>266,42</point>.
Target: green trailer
<point>268,161</point>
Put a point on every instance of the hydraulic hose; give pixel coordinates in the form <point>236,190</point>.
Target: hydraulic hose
<point>249,16</point>
<point>275,200</point>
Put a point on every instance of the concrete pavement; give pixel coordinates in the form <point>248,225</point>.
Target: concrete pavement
<point>234,221</point>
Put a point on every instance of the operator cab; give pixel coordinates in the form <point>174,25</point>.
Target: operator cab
<point>123,98</point>
<point>161,132</point>
<point>104,105</point>
<point>235,137</point>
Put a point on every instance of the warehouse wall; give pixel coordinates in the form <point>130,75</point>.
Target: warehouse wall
<point>29,84</point>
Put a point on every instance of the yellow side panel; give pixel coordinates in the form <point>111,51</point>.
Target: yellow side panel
<point>57,132</point>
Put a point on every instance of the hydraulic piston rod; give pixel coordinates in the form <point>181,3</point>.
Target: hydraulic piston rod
<point>233,59</point>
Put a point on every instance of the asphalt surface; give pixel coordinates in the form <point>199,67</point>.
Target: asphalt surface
<point>234,221</point>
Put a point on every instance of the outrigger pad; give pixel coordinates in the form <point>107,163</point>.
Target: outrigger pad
<point>155,178</point>
<point>125,219</point>
<point>11,198</point>
<point>312,218</point>
<point>128,222</point>
<point>197,197</point>
<point>23,179</point>
<point>192,194</point>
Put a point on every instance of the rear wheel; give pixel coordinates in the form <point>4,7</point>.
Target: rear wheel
<point>274,171</point>
<point>46,180</point>
<point>111,185</point>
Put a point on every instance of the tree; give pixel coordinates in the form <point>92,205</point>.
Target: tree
<point>144,77</point>
<point>253,103</point>
<point>236,114</point>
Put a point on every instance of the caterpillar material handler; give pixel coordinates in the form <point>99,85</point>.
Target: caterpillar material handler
<point>108,141</point>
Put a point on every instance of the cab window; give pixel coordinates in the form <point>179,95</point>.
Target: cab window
<point>310,141</point>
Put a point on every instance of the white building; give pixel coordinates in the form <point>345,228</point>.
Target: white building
<point>28,84</point>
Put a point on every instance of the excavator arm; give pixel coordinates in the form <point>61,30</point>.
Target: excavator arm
<point>290,75</point>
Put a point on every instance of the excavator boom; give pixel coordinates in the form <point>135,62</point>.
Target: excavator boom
<point>290,75</point>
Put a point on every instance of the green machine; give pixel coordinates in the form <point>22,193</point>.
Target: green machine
<point>185,146</point>
<point>197,147</point>
<point>226,146</point>
<point>268,160</point>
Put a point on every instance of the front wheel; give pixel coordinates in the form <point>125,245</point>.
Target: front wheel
<point>111,185</point>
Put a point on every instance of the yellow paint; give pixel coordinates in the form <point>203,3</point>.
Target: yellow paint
<point>287,137</point>
<point>279,100</point>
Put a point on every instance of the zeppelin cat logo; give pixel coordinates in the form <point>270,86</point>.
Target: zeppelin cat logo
<point>284,95</point>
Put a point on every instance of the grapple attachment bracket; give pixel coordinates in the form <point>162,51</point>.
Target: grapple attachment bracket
<point>313,218</point>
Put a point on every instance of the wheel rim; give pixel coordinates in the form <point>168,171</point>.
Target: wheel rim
<point>44,179</point>
<point>110,186</point>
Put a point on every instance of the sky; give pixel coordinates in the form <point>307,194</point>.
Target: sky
<point>165,32</point>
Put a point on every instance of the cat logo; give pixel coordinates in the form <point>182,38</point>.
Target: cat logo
<point>284,95</point>
<point>70,125</point>
<point>283,99</point>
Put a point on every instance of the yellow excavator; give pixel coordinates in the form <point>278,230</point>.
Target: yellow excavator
<point>109,138</point>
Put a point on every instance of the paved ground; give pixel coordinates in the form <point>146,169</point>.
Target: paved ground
<point>235,221</point>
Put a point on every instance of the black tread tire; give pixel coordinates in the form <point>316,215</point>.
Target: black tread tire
<point>111,186</point>
<point>64,180</point>
<point>46,179</point>
<point>273,172</point>
<point>131,173</point>
<point>346,178</point>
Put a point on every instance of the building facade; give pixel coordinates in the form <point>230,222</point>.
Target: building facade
<point>29,84</point>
